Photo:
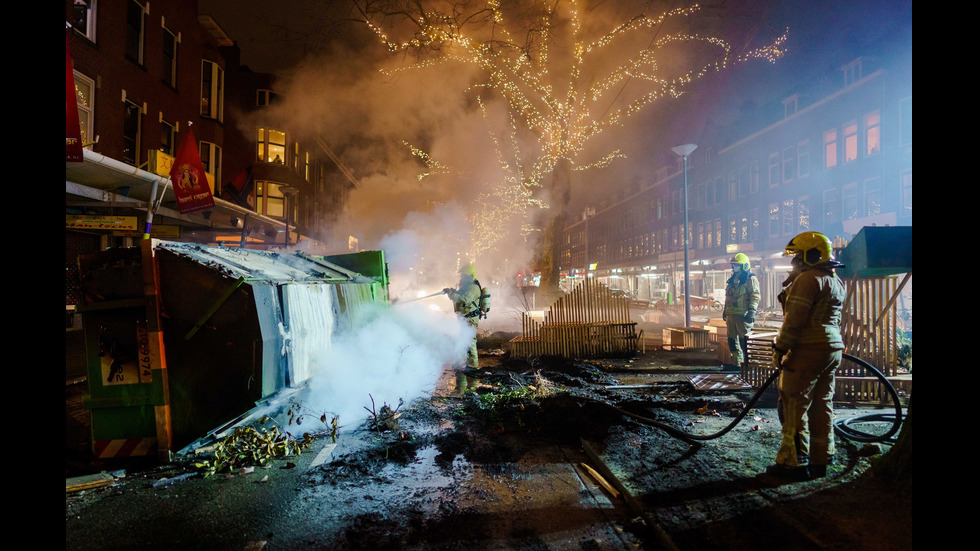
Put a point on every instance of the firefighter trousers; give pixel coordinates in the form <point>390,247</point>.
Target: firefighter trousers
<point>806,395</point>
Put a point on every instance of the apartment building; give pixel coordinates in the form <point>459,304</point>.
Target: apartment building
<point>837,158</point>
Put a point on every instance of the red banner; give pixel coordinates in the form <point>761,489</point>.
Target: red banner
<point>73,131</point>
<point>189,178</point>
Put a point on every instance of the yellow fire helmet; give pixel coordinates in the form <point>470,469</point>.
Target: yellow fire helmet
<point>813,247</point>
<point>467,269</point>
<point>741,258</point>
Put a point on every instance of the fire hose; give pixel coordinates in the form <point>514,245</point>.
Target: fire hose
<point>420,298</point>
<point>842,428</point>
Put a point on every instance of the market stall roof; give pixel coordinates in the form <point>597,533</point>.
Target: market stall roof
<point>102,183</point>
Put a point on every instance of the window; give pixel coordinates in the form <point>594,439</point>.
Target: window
<point>169,68</point>
<point>211,158</point>
<point>134,32</point>
<point>132,120</point>
<point>773,219</point>
<point>84,16</point>
<point>265,98</point>
<point>852,72</point>
<point>790,105</point>
<point>272,146</point>
<point>754,177</point>
<point>850,202</point>
<point>732,229</point>
<point>167,133</point>
<point>803,213</point>
<point>850,142</point>
<point>212,90</point>
<point>789,164</point>
<point>830,148</point>
<point>85,94</point>
<point>700,237</point>
<point>717,232</point>
<point>789,222</point>
<point>773,169</point>
<point>906,182</point>
<point>831,206</point>
<point>872,196</point>
<point>872,133</point>
<point>743,227</point>
<point>743,181</point>
<point>269,198</point>
<point>732,185</point>
<point>753,225</point>
<point>803,159</point>
<point>719,191</point>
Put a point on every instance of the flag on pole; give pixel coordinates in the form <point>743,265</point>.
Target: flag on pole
<point>189,178</point>
<point>73,130</point>
<point>241,190</point>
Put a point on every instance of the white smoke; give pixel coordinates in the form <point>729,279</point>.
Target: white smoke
<point>398,353</point>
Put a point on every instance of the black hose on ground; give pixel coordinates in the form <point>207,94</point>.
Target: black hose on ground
<point>842,428</point>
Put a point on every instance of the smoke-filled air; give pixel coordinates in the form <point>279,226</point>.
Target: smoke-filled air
<point>471,142</point>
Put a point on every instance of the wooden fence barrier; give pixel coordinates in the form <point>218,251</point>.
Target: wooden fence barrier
<point>589,322</point>
<point>870,330</point>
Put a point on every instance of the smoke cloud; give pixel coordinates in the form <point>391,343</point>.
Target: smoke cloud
<point>398,353</point>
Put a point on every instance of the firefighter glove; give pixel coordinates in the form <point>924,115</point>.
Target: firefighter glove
<point>777,357</point>
<point>749,317</point>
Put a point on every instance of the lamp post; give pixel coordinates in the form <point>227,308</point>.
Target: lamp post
<point>684,151</point>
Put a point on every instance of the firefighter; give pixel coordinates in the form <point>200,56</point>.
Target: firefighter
<point>741,303</point>
<point>808,350</point>
<point>467,304</point>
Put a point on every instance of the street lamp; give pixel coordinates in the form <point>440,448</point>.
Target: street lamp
<point>684,151</point>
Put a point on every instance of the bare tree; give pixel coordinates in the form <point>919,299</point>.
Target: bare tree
<point>567,73</point>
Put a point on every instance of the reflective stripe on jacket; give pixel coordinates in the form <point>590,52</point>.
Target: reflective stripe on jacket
<point>812,311</point>
<point>742,297</point>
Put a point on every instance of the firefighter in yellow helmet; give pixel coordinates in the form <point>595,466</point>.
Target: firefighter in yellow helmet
<point>741,303</point>
<point>808,350</point>
<point>466,299</point>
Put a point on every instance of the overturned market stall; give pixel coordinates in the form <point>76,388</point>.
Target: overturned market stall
<point>182,337</point>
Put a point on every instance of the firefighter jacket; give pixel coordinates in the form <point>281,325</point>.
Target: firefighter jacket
<point>466,299</point>
<point>741,294</point>
<point>812,310</point>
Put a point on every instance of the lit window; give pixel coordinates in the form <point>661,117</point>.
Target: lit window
<point>169,58</point>
<point>271,146</point>
<point>134,32</point>
<point>84,16</point>
<point>789,223</point>
<point>872,133</point>
<point>872,196</point>
<point>773,219</point>
<point>212,90</point>
<point>269,199</point>
<point>850,142</point>
<point>85,93</point>
<point>803,213</point>
<point>830,148</point>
